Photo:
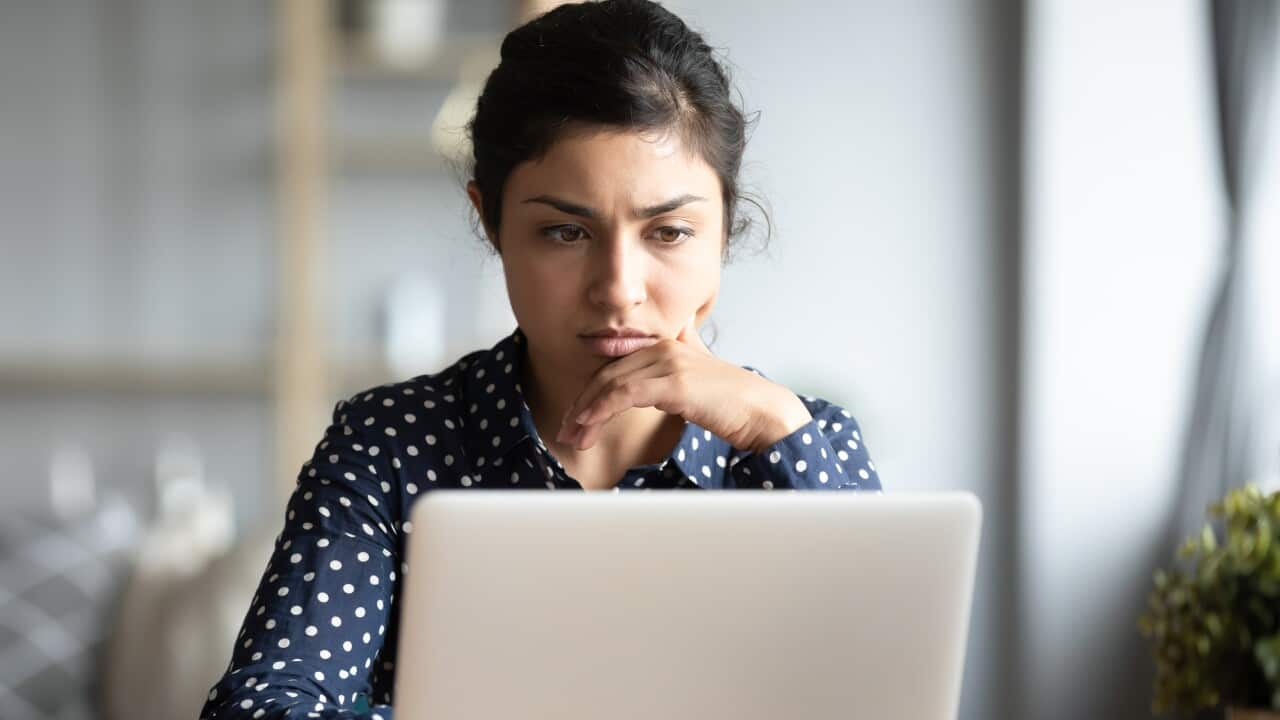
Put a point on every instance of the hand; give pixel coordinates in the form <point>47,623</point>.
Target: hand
<point>682,377</point>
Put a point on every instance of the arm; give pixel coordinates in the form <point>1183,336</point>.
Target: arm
<point>313,637</point>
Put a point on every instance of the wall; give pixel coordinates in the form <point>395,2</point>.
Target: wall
<point>1122,241</point>
<point>885,144</point>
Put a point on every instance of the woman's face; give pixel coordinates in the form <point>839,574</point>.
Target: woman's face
<point>609,230</point>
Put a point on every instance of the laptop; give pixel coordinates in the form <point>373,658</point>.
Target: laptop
<point>742,605</point>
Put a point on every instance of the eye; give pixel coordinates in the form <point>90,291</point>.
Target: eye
<point>672,235</point>
<point>566,234</point>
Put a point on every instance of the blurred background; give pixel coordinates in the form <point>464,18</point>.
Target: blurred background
<point>1035,245</point>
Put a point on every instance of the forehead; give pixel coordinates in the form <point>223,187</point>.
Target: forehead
<point>608,165</point>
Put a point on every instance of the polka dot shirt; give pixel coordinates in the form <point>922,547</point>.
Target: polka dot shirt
<point>319,638</point>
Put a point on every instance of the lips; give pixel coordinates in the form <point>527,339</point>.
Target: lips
<point>616,346</point>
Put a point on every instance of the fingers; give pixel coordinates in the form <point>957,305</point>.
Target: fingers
<point>643,388</point>
<point>633,363</point>
<point>643,392</point>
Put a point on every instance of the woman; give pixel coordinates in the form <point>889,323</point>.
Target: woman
<point>606,158</point>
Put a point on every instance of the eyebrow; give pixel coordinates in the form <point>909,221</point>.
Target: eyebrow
<point>567,207</point>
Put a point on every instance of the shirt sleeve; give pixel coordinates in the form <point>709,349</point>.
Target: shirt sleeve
<point>311,640</point>
<point>827,453</point>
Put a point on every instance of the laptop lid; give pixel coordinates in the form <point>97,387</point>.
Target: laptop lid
<point>750,605</point>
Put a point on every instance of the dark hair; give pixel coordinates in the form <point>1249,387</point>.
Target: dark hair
<point>623,64</point>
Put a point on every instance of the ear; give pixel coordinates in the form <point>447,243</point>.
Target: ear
<point>473,194</point>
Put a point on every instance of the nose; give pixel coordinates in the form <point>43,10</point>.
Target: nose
<point>617,281</point>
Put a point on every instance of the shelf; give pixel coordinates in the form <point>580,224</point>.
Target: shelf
<point>236,379</point>
<point>407,154</point>
<point>119,376</point>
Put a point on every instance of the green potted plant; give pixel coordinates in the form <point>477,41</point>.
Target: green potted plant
<point>1214,621</point>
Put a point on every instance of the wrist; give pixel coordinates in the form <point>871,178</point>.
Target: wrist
<point>782,414</point>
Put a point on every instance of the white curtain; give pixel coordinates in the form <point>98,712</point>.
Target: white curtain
<point>1231,438</point>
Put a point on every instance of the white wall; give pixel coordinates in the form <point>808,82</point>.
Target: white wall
<point>1122,240</point>
<point>882,289</point>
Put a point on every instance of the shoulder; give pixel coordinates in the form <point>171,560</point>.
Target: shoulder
<point>424,400</point>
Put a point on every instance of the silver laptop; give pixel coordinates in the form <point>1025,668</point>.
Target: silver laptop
<point>742,605</point>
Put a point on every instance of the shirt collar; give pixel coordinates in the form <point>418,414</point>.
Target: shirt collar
<point>491,387</point>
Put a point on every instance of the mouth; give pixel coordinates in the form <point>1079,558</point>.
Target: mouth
<point>613,346</point>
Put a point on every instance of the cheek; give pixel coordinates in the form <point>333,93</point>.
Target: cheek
<point>537,287</point>
<point>691,282</point>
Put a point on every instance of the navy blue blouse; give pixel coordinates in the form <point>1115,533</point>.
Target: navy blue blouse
<point>319,639</point>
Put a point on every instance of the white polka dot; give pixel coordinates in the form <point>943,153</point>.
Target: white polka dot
<point>295,558</point>
<point>410,417</point>
<point>775,456</point>
<point>706,471</point>
<point>284,643</point>
<point>842,455</point>
<point>282,591</point>
<point>319,676</point>
<point>720,460</point>
<point>801,465</point>
<point>323,597</point>
<point>391,432</point>
<point>360,612</point>
<point>864,474</point>
<point>348,588</point>
<point>311,631</point>
<point>412,450</point>
<point>431,439</point>
<point>806,439</point>
<point>335,564</point>
<point>362,556</point>
<point>822,476</point>
<point>246,704</point>
<point>335,621</point>
<point>411,488</point>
